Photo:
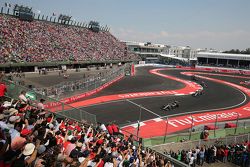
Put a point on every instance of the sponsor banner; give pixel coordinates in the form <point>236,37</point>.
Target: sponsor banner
<point>179,123</point>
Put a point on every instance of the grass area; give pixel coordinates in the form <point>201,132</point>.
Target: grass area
<point>219,133</point>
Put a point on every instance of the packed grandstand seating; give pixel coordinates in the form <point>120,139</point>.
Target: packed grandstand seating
<point>40,41</point>
<point>30,136</point>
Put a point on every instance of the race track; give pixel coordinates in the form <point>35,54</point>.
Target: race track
<point>218,96</point>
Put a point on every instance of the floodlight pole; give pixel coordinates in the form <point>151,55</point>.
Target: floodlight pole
<point>215,124</point>
<point>138,127</point>
<point>190,133</point>
<point>237,121</point>
<point>166,131</point>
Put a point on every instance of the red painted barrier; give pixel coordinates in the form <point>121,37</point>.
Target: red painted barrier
<point>80,96</point>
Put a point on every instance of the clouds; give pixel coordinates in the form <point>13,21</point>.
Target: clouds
<point>200,39</point>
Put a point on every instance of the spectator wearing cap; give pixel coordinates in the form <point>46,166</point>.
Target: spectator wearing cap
<point>69,145</point>
<point>12,120</point>
<point>19,141</point>
<point>10,112</point>
<point>28,155</point>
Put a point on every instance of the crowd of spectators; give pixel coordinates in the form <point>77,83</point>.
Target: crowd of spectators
<point>30,136</point>
<point>40,41</point>
<point>238,154</point>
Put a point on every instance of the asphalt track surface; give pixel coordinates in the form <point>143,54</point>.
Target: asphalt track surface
<point>216,96</point>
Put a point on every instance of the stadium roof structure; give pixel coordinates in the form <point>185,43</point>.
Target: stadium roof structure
<point>223,56</point>
<point>173,57</point>
<point>143,44</point>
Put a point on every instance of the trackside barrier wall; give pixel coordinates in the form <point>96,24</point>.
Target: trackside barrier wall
<point>177,138</point>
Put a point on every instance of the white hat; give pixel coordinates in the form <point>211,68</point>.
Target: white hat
<point>70,137</point>
<point>81,159</point>
<point>29,149</point>
<point>14,118</point>
<point>13,111</point>
<point>7,104</point>
<point>51,126</point>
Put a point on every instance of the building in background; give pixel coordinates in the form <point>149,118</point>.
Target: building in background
<point>159,53</point>
<point>223,60</point>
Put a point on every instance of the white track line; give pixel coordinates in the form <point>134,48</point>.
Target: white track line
<point>143,107</point>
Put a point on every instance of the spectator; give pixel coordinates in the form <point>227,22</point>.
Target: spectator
<point>40,105</point>
<point>22,97</point>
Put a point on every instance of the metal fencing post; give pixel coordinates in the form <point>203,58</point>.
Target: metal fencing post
<point>166,131</point>
<point>215,124</point>
<point>191,128</point>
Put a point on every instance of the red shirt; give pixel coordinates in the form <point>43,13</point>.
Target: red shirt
<point>226,152</point>
<point>101,164</point>
<point>110,129</point>
<point>3,89</point>
<point>115,128</point>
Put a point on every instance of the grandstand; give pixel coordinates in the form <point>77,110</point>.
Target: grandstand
<point>44,43</point>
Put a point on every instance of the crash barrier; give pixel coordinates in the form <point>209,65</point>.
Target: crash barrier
<point>196,133</point>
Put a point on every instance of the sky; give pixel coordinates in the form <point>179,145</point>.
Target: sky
<point>217,24</point>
